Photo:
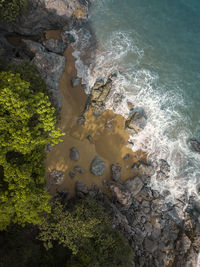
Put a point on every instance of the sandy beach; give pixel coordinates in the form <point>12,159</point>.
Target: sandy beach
<point>109,138</point>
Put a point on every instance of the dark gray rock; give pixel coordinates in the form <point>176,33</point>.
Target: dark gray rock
<point>89,137</point>
<point>6,49</point>
<point>98,166</point>
<point>116,171</point>
<point>134,185</point>
<point>75,81</point>
<point>79,169</point>
<point>68,37</point>
<point>126,157</point>
<point>81,189</point>
<point>51,67</point>
<point>30,48</point>
<point>122,195</point>
<point>55,46</point>
<point>74,154</point>
<point>194,145</point>
<point>72,174</point>
<point>164,166</point>
<point>56,177</point>
<point>81,120</point>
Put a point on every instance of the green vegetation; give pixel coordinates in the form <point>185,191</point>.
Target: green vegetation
<point>27,125</point>
<point>10,9</point>
<point>86,231</point>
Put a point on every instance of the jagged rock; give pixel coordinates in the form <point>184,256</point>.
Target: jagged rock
<point>137,119</point>
<point>98,166</point>
<point>79,169</point>
<point>194,145</point>
<point>75,81</point>
<point>55,46</point>
<point>146,170</point>
<point>121,194</point>
<point>72,174</point>
<point>51,67</point>
<point>134,185</point>
<point>42,15</point>
<point>56,177</point>
<point>67,37</point>
<point>74,154</point>
<point>81,189</point>
<point>126,157</point>
<point>164,166</point>
<point>116,171</point>
<point>30,48</point>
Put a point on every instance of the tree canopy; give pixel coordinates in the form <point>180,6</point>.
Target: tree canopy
<point>27,125</point>
<point>10,9</point>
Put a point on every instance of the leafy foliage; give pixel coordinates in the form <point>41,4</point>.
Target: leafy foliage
<point>27,124</point>
<point>87,232</point>
<point>10,9</point>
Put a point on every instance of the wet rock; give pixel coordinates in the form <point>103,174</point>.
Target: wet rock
<point>51,67</point>
<point>117,100</point>
<point>72,174</point>
<point>81,189</point>
<point>126,157</point>
<point>116,171</point>
<point>164,166</point>
<point>55,46</point>
<point>160,176</point>
<point>74,154</point>
<point>123,196</point>
<point>81,120</point>
<point>89,137</point>
<point>134,185</point>
<point>56,177</point>
<point>145,169</point>
<point>98,166</point>
<point>79,169</point>
<point>194,145</point>
<point>68,37</point>
<point>137,119</point>
<point>75,81</point>
<point>99,83</point>
<point>98,109</point>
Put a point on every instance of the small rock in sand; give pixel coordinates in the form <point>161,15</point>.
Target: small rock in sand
<point>116,171</point>
<point>98,166</point>
<point>79,169</point>
<point>74,154</point>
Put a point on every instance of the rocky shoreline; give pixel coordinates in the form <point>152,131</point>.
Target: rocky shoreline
<point>160,233</point>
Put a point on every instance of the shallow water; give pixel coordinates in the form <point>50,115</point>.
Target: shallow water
<point>155,48</point>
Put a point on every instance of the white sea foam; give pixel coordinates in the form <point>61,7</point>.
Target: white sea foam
<point>165,134</point>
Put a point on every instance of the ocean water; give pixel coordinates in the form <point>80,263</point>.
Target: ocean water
<point>155,48</point>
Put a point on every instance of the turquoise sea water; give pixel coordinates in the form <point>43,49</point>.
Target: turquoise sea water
<point>155,46</point>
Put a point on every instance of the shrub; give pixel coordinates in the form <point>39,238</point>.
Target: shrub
<point>10,9</point>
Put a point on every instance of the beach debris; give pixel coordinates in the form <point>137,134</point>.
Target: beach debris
<point>56,177</point>
<point>72,174</point>
<point>98,166</point>
<point>74,154</point>
<point>79,169</point>
<point>75,81</point>
<point>116,171</point>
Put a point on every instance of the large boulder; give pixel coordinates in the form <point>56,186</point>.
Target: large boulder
<point>47,14</point>
<point>51,67</point>
<point>29,48</point>
<point>194,145</point>
<point>137,119</point>
<point>55,46</point>
<point>123,196</point>
<point>98,166</point>
<point>134,185</point>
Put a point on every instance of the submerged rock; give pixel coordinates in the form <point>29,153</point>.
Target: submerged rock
<point>30,48</point>
<point>116,171</point>
<point>75,81</point>
<point>56,177</point>
<point>74,154</point>
<point>79,169</point>
<point>194,145</point>
<point>98,166</point>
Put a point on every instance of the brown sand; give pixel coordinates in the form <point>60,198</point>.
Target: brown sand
<point>109,143</point>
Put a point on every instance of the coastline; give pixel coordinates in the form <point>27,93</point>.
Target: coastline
<point>108,144</point>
